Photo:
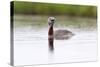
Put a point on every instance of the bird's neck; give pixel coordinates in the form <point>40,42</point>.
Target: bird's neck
<point>50,32</point>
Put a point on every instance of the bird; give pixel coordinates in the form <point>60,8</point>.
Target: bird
<point>60,34</point>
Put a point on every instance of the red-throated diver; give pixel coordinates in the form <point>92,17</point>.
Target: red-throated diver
<point>57,34</point>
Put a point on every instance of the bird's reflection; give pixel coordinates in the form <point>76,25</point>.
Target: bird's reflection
<point>51,44</point>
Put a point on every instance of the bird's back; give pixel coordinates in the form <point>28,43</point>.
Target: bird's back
<point>62,34</point>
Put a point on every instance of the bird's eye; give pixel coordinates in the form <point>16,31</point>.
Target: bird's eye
<point>52,20</point>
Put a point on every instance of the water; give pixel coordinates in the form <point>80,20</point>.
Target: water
<point>31,40</point>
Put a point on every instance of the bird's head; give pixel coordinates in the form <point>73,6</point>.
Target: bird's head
<point>51,21</point>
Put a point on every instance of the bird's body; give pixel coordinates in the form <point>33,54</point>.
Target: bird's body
<point>58,34</point>
<point>62,34</point>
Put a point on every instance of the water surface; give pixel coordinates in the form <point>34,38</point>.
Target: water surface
<point>31,40</point>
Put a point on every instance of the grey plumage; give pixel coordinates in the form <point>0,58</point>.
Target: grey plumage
<point>62,34</point>
<point>59,34</point>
